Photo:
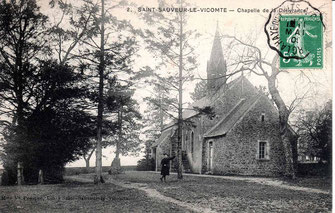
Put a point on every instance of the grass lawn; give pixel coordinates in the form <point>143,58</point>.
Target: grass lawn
<point>323,183</point>
<point>238,196</point>
<point>78,197</point>
<point>220,195</point>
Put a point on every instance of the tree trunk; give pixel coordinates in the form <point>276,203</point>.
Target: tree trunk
<point>98,168</point>
<point>40,177</point>
<point>161,115</point>
<point>117,153</point>
<point>19,173</point>
<point>283,122</point>
<point>19,115</point>
<point>180,105</point>
<point>116,163</point>
<point>18,82</point>
<point>88,158</point>
<point>87,161</point>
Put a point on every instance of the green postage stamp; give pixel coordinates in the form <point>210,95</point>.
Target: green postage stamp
<point>301,37</point>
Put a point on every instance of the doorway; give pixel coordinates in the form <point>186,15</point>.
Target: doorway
<point>210,156</point>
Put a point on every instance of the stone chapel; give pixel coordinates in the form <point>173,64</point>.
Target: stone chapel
<point>243,138</point>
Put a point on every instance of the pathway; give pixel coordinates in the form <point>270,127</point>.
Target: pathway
<point>152,193</point>
<point>265,181</point>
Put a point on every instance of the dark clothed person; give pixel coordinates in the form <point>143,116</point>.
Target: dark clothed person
<point>165,167</point>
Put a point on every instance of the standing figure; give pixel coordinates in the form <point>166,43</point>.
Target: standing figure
<point>165,167</point>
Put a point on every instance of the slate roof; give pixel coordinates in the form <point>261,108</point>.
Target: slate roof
<point>216,53</point>
<point>236,113</point>
<point>205,101</point>
<point>163,137</point>
<point>232,117</point>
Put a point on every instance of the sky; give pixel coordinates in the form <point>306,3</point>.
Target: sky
<point>236,21</point>
<point>242,20</point>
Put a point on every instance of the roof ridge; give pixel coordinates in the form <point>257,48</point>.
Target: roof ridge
<point>230,85</point>
<point>166,131</point>
<point>233,83</point>
<point>251,102</point>
<point>229,114</point>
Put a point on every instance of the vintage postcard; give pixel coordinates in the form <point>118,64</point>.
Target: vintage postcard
<point>166,105</point>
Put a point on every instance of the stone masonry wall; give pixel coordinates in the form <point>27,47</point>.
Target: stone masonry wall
<point>224,101</point>
<point>195,158</point>
<point>236,153</point>
<point>164,147</point>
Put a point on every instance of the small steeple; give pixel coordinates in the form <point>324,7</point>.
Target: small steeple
<point>216,66</point>
<point>217,53</point>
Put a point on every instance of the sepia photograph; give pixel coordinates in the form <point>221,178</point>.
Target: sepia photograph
<point>166,106</point>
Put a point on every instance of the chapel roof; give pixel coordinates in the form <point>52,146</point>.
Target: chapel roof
<point>216,53</point>
<point>232,117</point>
<point>165,135</point>
<point>207,100</point>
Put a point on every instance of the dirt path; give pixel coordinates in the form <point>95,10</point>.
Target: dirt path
<point>152,193</point>
<point>196,206</point>
<point>265,181</point>
<point>282,184</point>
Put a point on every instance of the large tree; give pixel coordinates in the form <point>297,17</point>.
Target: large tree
<point>315,132</point>
<point>23,39</point>
<point>169,40</point>
<point>54,131</point>
<point>23,43</point>
<point>33,85</point>
<point>94,42</point>
<point>126,140</point>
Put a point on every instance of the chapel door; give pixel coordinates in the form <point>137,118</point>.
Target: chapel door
<point>210,156</point>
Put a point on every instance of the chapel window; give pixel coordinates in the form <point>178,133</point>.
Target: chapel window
<point>263,150</point>
<point>192,142</point>
<point>184,142</point>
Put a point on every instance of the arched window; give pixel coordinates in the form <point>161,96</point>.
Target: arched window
<point>192,142</point>
<point>184,148</point>
<point>210,156</point>
<point>184,140</point>
<point>263,117</point>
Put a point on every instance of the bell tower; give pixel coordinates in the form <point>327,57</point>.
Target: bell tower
<point>216,66</point>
